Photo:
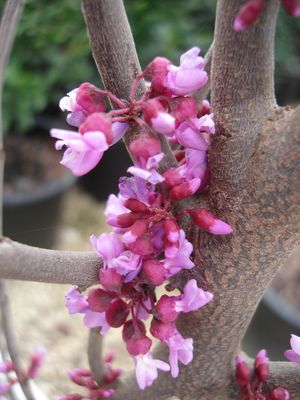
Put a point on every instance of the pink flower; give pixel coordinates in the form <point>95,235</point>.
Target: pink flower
<point>292,7</point>
<point>83,152</point>
<point>242,372</point>
<point>190,137</point>
<point>108,246</point>
<point>192,298</point>
<point>156,116</point>
<point>75,302</point>
<point>195,165</point>
<point>149,172</point>
<point>189,76</point>
<point>36,363</point>
<point>182,259</point>
<point>247,14</point>
<point>294,353</point>
<point>146,369</point>
<point>96,319</point>
<point>81,102</point>
<point>207,221</point>
<point>180,350</point>
<point>128,264</point>
<point>114,208</point>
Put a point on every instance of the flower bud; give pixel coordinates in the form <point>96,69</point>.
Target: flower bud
<point>247,14</point>
<point>172,178</point>
<point>99,300</point>
<point>136,206</point>
<point>36,362</point>
<point>157,71</point>
<point>144,147</point>
<point>185,189</point>
<point>261,366</point>
<point>156,116</point>
<point>134,335</point>
<point>292,7</point>
<point>142,246</point>
<point>110,279</point>
<point>98,122</point>
<point>242,372</point>
<point>162,330</point>
<point>165,309</point>
<point>90,99</point>
<point>117,313</point>
<point>278,393</point>
<point>207,221</point>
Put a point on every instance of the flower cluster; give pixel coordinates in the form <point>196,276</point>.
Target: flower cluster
<point>8,371</point>
<point>94,391</point>
<point>251,10</point>
<point>147,245</point>
<point>252,389</point>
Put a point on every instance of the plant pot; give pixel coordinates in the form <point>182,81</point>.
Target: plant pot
<point>104,179</point>
<point>32,204</point>
<point>278,314</point>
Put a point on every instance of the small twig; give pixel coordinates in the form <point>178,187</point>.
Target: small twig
<point>201,94</point>
<point>11,344</point>
<point>95,355</point>
<point>21,262</point>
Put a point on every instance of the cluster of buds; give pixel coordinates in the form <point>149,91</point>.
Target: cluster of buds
<point>147,245</point>
<point>252,388</point>
<point>93,390</point>
<point>9,376</point>
<point>251,10</point>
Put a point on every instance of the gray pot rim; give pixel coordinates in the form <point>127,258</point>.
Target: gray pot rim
<point>43,191</point>
<point>282,308</point>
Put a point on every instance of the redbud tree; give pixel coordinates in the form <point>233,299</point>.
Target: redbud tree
<point>211,210</point>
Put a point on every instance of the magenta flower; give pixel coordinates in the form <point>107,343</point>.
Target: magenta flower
<point>247,14</point>
<point>189,136</point>
<point>294,353</point>
<point>189,76</point>
<point>192,298</point>
<point>83,152</point>
<point>75,302</point>
<point>156,116</point>
<point>180,350</point>
<point>146,369</point>
<point>114,208</point>
<point>195,165</point>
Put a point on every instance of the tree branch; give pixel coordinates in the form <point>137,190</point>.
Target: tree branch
<point>95,355</point>
<point>242,96</point>
<point>21,262</point>
<point>286,374</point>
<point>115,56</point>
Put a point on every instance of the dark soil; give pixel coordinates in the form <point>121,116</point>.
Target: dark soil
<point>30,161</point>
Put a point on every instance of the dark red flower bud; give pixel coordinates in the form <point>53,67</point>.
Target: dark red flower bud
<point>165,309</point>
<point>247,14</point>
<point>207,221</point>
<point>261,366</point>
<point>136,206</point>
<point>142,246</point>
<point>110,279</point>
<point>172,178</point>
<point>242,372</point>
<point>157,71</point>
<point>126,220</point>
<point>117,313</point>
<point>185,189</point>
<point>162,330</point>
<point>292,7</point>
<point>90,98</point>
<point>134,335</point>
<point>99,300</point>
<point>144,147</point>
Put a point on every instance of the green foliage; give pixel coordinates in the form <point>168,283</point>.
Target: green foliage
<point>51,54</point>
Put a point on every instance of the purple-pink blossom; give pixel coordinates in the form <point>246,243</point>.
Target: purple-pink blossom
<point>180,350</point>
<point>146,369</point>
<point>294,353</point>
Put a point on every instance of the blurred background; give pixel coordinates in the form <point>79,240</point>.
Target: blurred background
<point>45,206</point>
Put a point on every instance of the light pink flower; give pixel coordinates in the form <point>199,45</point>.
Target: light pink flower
<point>146,369</point>
<point>294,353</point>
<point>180,350</point>
<point>118,130</point>
<point>108,246</point>
<point>114,208</point>
<point>189,76</point>
<point>182,259</point>
<point>96,319</point>
<point>75,302</point>
<point>68,103</point>
<point>149,172</point>
<point>192,298</point>
<point>83,152</point>
<point>190,137</point>
<point>128,264</point>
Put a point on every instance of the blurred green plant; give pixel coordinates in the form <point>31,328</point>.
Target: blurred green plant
<point>51,53</point>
